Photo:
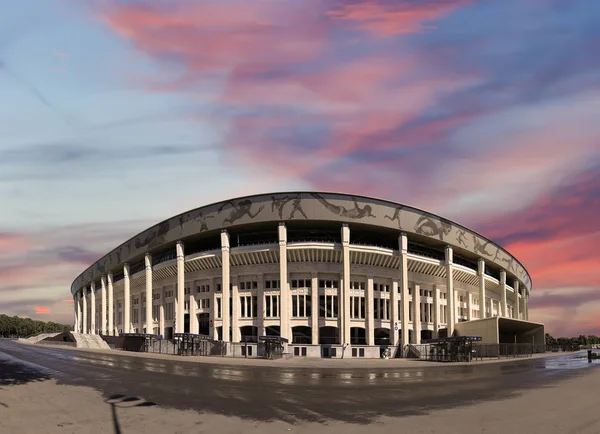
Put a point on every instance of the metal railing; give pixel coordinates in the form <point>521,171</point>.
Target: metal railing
<point>473,351</point>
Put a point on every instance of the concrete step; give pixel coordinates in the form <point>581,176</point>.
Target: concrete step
<point>89,341</point>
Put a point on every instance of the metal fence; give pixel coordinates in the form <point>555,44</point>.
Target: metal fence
<point>488,351</point>
<point>190,346</point>
<point>473,351</point>
<point>563,348</point>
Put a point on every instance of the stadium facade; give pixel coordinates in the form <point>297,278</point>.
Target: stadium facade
<point>319,269</point>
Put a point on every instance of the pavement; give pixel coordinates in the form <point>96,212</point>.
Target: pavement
<point>302,362</point>
<point>349,391</point>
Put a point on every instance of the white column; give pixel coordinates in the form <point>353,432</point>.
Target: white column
<point>284,292</point>
<point>225,284</point>
<point>180,296</point>
<point>79,316</point>
<point>503,306</point>
<point>416,299</point>
<point>481,273</point>
<point>149,319</point>
<point>84,298</point>
<point>103,311</point>
<point>235,313</point>
<point>93,308</point>
<point>314,294</point>
<point>260,307</point>
<point>344,296</point>
<point>525,302</point>
<point>369,318</point>
<point>212,330</point>
<point>450,310</point>
<point>394,310</point>
<point>111,327</point>
<point>194,326</point>
<point>161,313</point>
<point>457,306</point>
<point>517,307</point>
<point>403,250</point>
<point>126,300</point>
<point>75,314</point>
<point>469,306</point>
<point>436,310</point>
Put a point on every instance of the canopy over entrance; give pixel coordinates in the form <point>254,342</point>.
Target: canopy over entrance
<point>498,330</point>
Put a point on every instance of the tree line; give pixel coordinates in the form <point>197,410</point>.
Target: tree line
<point>578,341</point>
<point>16,327</point>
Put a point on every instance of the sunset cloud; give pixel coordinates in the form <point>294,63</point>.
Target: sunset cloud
<point>40,310</point>
<point>388,18</point>
<point>493,124</point>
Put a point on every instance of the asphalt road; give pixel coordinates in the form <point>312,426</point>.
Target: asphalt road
<point>281,393</point>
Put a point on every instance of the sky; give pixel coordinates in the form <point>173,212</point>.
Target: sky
<point>116,114</point>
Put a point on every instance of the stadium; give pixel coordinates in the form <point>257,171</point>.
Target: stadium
<point>328,274</point>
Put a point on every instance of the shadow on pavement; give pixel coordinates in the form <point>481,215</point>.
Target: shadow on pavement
<point>123,401</point>
<point>13,373</point>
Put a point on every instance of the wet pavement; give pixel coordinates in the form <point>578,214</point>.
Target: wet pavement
<point>356,395</point>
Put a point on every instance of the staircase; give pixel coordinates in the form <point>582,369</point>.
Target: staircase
<point>411,352</point>
<point>90,341</point>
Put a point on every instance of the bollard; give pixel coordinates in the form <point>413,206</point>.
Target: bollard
<point>590,356</point>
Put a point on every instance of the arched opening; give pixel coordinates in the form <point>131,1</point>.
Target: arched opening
<point>272,331</point>
<point>301,335</point>
<point>358,336</point>
<point>329,336</point>
<point>204,324</point>
<point>382,336</point>
<point>249,334</point>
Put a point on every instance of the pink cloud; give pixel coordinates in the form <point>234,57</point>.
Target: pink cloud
<point>61,54</point>
<point>384,18</point>
<point>214,36</point>
<point>566,262</point>
<point>15,243</point>
<point>41,310</point>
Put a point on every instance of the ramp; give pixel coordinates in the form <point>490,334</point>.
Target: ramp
<point>40,337</point>
<point>90,341</point>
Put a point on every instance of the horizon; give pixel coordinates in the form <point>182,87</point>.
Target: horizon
<point>122,114</point>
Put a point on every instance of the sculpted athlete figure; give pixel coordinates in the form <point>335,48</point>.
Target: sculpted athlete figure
<point>280,203</point>
<point>355,213</point>
<point>428,226</point>
<point>462,238</point>
<point>239,210</point>
<point>396,216</point>
<point>202,219</point>
<point>183,219</point>
<point>154,238</point>
<point>481,248</point>
<point>297,207</point>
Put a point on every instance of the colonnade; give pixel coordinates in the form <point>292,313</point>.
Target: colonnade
<point>399,312</point>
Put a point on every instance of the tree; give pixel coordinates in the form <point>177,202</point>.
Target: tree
<point>24,327</point>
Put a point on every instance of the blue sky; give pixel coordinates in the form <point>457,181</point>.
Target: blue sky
<point>117,114</point>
